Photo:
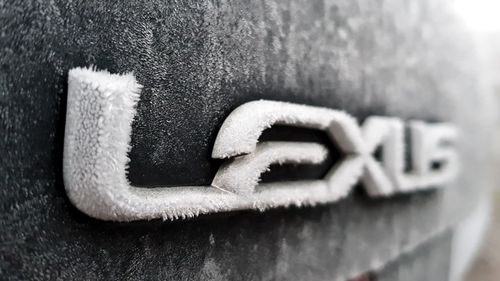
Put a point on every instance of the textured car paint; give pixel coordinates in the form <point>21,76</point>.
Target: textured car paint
<point>428,262</point>
<point>198,61</point>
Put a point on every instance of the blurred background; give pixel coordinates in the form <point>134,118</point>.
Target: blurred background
<point>481,17</point>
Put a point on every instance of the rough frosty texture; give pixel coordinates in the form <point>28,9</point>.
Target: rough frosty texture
<point>242,174</point>
<point>100,109</point>
<point>240,132</point>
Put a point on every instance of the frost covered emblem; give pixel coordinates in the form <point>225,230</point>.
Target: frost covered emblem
<point>101,108</point>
